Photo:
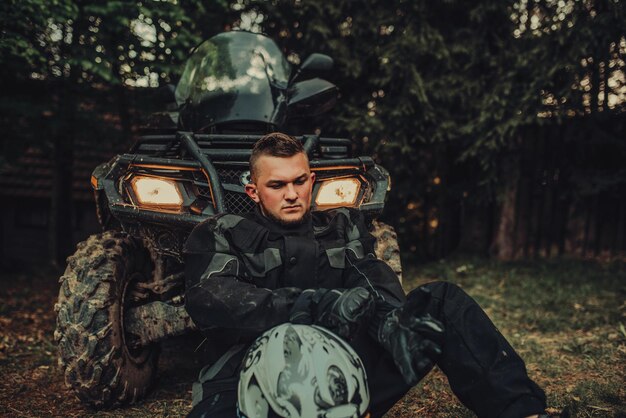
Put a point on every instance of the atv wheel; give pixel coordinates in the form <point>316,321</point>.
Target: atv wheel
<point>387,248</point>
<point>96,288</point>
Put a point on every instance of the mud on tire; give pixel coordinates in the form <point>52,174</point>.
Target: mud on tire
<point>387,248</point>
<point>98,364</point>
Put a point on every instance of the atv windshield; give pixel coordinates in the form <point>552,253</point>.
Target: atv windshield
<point>233,76</point>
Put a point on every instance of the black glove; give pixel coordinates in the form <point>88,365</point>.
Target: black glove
<point>412,338</point>
<point>340,311</point>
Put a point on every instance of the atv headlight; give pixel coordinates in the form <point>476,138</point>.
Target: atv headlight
<point>152,191</point>
<point>342,192</point>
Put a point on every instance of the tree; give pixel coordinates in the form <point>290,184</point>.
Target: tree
<point>445,94</point>
<point>72,62</point>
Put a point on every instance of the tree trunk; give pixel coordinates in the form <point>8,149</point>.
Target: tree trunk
<point>502,245</point>
<point>531,181</point>
<point>60,233</point>
<point>121,99</point>
<point>124,113</point>
<point>474,228</point>
<point>619,233</point>
<point>426,237</point>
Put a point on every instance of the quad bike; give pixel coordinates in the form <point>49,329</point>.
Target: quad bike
<point>123,290</point>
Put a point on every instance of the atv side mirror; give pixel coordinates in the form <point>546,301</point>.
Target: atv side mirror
<point>311,98</point>
<point>315,62</point>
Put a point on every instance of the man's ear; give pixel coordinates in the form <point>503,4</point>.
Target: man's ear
<point>252,192</point>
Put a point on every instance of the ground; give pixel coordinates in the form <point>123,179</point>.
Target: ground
<point>566,318</point>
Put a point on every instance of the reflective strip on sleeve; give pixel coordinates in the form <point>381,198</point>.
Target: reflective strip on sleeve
<point>357,248</point>
<point>217,265</point>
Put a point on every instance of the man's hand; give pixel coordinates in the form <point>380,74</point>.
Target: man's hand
<point>340,311</point>
<point>411,342</point>
<point>413,338</point>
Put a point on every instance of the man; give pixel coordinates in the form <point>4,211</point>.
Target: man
<point>283,263</point>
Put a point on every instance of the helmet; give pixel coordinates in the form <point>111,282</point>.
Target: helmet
<point>302,371</point>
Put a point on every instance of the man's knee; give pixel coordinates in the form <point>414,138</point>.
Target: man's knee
<point>440,298</point>
<point>445,290</point>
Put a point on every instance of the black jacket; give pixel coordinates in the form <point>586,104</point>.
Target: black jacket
<point>245,272</point>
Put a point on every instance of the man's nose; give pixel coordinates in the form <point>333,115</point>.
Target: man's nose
<point>290,192</point>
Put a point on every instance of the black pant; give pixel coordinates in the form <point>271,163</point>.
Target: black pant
<point>484,371</point>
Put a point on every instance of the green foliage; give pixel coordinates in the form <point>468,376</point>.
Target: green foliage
<point>25,24</point>
<point>465,75</point>
<point>60,58</point>
<point>474,72</point>
<point>112,42</point>
<point>438,92</point>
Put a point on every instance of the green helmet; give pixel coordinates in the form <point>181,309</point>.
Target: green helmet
<point>301,371</point>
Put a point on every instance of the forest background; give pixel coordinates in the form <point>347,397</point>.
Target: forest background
<point>501,122</point>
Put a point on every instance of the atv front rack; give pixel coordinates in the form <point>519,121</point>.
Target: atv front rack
<point>236,147</point>
<point>215,156</point>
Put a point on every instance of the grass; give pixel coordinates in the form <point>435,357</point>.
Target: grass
<point>566,319</point>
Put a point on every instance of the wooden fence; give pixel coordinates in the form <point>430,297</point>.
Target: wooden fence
<point>561,191</point>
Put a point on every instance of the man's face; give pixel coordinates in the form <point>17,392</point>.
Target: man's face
<point>283,187</point>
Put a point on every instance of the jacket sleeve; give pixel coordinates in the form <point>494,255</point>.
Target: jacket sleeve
<point>219,289</point>
<point>362,267</point>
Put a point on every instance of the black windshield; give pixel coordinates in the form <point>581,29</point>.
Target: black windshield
<point>233,76</point>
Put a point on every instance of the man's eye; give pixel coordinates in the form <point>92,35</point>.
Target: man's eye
<point>300,182</point>
<point>276,186</point>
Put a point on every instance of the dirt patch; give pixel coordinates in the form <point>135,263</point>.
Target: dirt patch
<point>582,368</point>
<point>32,383</point>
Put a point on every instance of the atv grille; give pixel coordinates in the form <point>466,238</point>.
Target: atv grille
<point>238,202</point>
<point>230,175</point>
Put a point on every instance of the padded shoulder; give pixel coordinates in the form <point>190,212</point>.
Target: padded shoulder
<point>223,233</point>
